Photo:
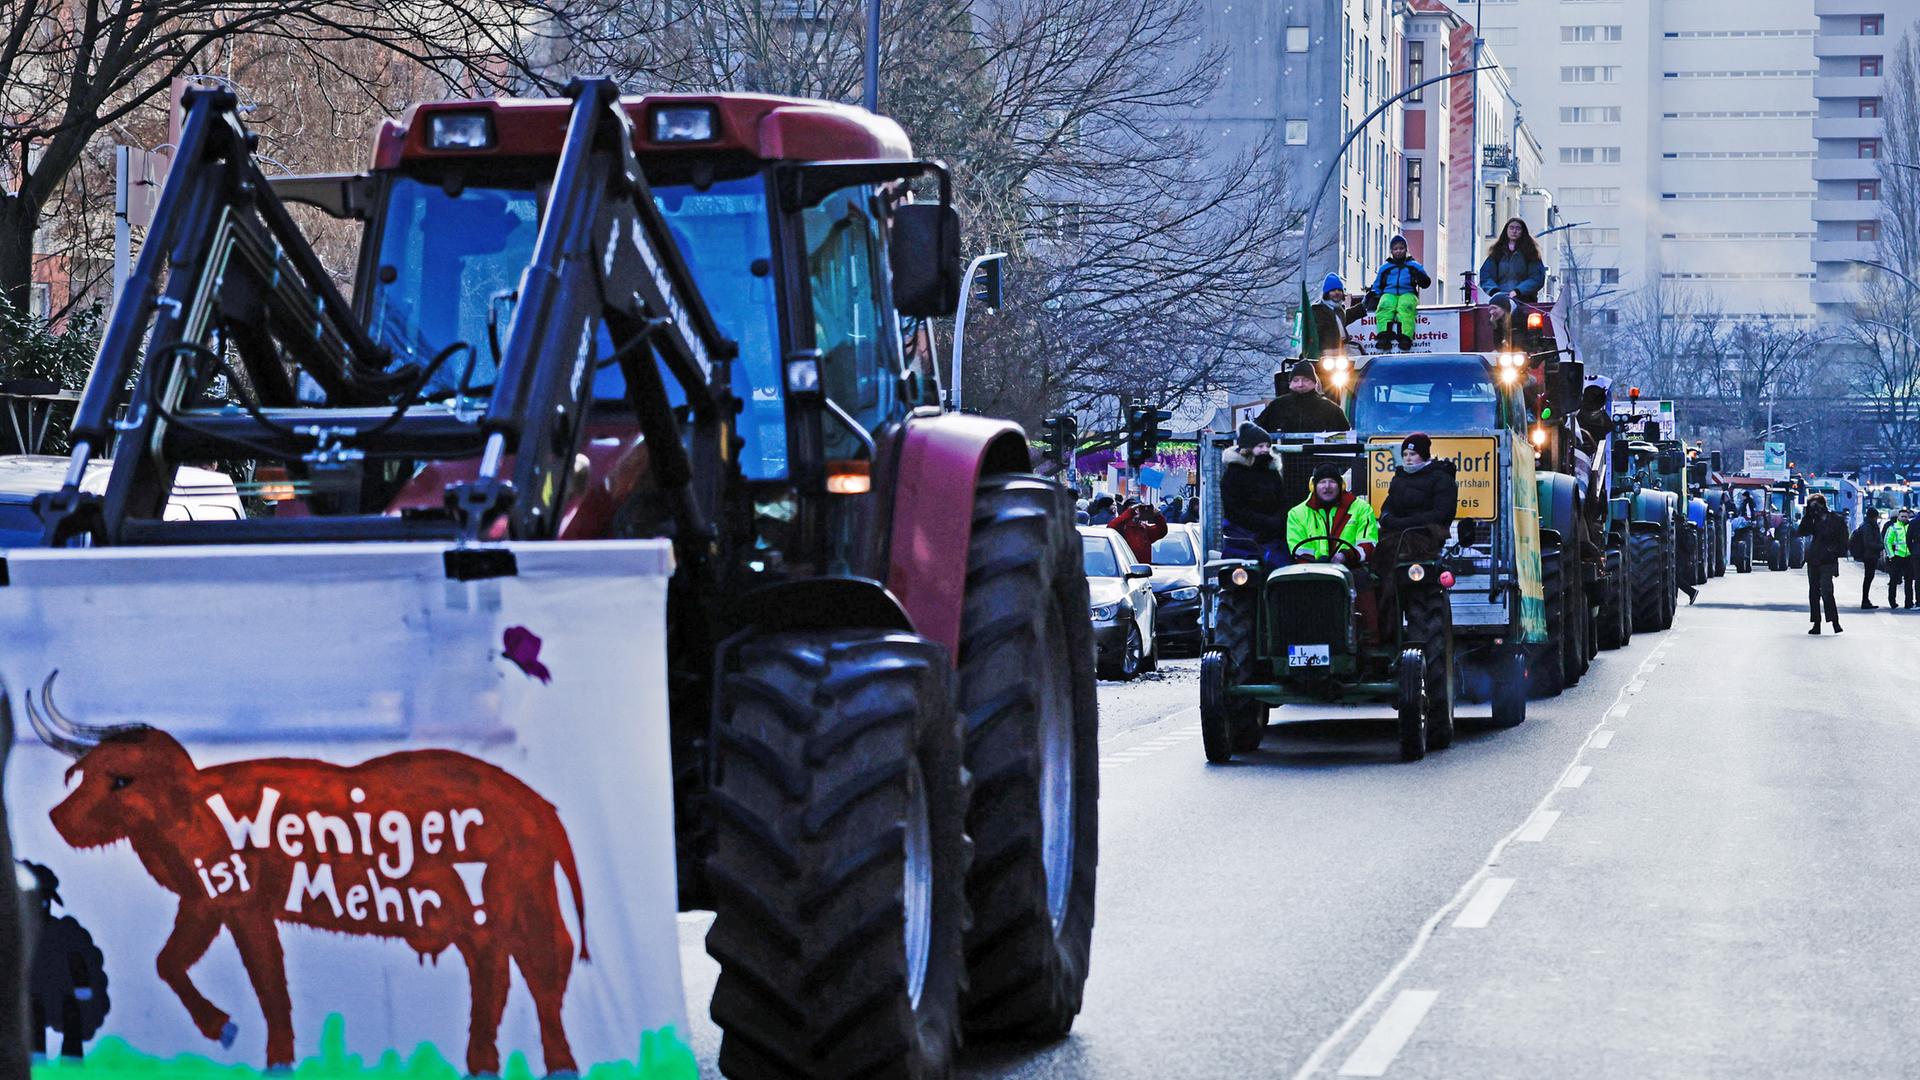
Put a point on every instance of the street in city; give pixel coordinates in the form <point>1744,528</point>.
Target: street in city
<point>1698,862</point>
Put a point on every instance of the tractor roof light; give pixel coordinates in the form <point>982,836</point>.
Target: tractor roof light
<point>1535,320</point>
<point>685,123</point>
<point>460,131</point>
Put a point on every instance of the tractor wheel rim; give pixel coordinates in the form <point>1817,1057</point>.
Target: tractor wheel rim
<point>1056,779</point>
<point>917,895</point>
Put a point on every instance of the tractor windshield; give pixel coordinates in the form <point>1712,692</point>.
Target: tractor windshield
<point>1453,393</point>
<point>450,266</point>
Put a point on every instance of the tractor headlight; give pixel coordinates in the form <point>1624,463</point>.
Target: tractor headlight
<point>1416,572</point>
<point>1190,592</point>
<point>460,131</point>
<point>1237,575</point>
<point>1105,612</point>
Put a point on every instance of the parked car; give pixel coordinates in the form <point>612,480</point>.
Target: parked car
<point>198,494</point>
<point>1176,588</point>
<point>1123,604</point>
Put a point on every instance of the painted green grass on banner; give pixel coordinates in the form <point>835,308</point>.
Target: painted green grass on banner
<point>662,1057</point>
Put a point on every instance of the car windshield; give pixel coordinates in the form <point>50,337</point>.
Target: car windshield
<point>451,264</point>
<point>1096,552</point>
<point>1173,549</point>
<point>1432,395</point>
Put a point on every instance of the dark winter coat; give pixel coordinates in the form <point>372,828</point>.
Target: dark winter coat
<point>1330,322</point>
<point>1827,543</point>
<point>1399,276</point>
<point>1252,501</point>
<point>1512,271</point>
<point>1415,499</point>
<point>1293,413</point>
<point>1864,545</point>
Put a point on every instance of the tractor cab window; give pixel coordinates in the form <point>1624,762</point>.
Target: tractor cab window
<point>1442,394</point>
<point>851,328</point>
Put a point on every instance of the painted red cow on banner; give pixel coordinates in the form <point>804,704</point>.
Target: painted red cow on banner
<point>433,847</point>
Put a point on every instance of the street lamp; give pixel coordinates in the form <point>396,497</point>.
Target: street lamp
<point>870,87</point>
<point>960,317</point>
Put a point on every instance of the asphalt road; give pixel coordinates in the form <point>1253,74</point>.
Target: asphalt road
<point>1699,862</point>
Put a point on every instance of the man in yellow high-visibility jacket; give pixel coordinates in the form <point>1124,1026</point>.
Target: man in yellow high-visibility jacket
<point>1332,511</point>
<point>1899,558</point>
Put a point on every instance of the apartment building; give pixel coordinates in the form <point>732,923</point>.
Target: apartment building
<point>1681,137</point>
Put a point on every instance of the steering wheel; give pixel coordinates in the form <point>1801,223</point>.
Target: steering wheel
<point>1338,541</point>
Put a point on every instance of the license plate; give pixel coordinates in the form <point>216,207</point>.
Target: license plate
<point>1309,655</point>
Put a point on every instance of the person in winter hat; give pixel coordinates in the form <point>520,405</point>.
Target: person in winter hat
<point>1332,511</point>
<point>1300,408</point>
<point>1864,545</point>
<point>1333,314</point>
<point>1253,502</point>
<point>1100,511</point>
<point>1826,545</point>
<point>1396,294</point>
<point>1422,500</point>
<point>1139,525</point>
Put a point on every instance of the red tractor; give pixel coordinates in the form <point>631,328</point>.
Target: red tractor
<point>698,317</point>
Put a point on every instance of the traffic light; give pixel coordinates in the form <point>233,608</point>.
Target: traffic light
<point>1060,435</point>
<point>1144,433</point>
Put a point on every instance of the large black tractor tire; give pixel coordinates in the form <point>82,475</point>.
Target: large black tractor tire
<point>1511,683</point>
<point>1671,594</point>
<point>1716,523</point>
<point>1429,618</point>
<point>1216,708</point>
<point>1547,666</point>
<point>1412,705</point>
<point>1743,555</point>
<point>1777,554</point>
<point>1242,722</point>
<point>840,857</point>
<point>1796,552</point>
<point>1578,618</point>
<point>1027,698</point>
<point>1627,572</point>
<point>1615,618</point>
<point>1649,580</point>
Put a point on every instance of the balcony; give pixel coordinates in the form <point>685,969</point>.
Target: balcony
<point>1837,292</point>
<point>1844,251</point>
<point>1848,86</point>
<point>1501,159</point>
<point>1846,168</point>
<point>1847,127</point>
<point>1848,7</point>
<point>1853,44</point>
<point>1846,210</point>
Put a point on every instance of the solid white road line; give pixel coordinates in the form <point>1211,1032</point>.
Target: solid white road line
<point>1576,776</point>
<point>1536,829</point>
<point>1384,1043</point>
<point>1601,739</point>
<point>1479,910</point>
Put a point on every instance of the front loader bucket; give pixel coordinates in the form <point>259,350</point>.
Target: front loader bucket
<point>453,762</point>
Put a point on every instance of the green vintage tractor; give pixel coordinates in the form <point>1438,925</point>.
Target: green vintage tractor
<point>1323,633</point>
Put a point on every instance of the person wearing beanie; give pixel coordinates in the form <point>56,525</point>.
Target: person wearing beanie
<point>1301,409</point>
<point>1864,545</point>
<point>1396,295</point>
<point>1331,511</point>
<point>1422,501</point>
<point>1333,314</point>
<point>1253,503</point>
<point>1100,511</point>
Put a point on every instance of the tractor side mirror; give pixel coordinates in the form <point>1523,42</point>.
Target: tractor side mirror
<point>1139,570</point>
<point>1714,461</point>
<point>924,251</point>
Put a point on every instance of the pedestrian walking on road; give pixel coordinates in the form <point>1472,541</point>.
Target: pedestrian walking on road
<point>1899,559</point>
<point>1864,545</point>
<point>1826,534</point>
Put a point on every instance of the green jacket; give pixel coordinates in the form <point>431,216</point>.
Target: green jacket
<point>1896,542</point>
<point>1308,522</point>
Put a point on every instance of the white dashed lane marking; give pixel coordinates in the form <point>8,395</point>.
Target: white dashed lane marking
<point>1396,1025</point>
<point>1479,910</point>
<point>1538,826</point>
<point>1602,739</point>
<point>1576,776</point>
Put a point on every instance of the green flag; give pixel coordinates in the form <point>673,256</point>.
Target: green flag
<point>1309,333</point>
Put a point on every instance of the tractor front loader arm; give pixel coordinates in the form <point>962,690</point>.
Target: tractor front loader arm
<point>604,258</point>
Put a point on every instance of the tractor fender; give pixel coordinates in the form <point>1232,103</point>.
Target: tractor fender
<point>820,603</point>
<point>1652,507</point>
<point>1697,512</point>
<point>941,460</point>
<point>1559,502</point>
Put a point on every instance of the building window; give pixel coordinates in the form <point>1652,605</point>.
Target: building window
<point>1441,187</point>
<point>1416,68</point>
<point>1869,148</point>
<point>1609,275</point>
<point>1414,207</point>
<point>1296,133</point>
<point>1297,40</point>
<point>1590,33</point>
<point>1587,73</point>
<point>1870,65</point>
<point>1870,25</point>
<point>1869,106</point>
<point>1867,190</point>
<point>1589,155</point>
<point>40,301</point>
<point>1590,114</point>
<point>1866,231</point>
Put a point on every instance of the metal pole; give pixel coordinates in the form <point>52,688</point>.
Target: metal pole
<point>870,89</point>
<point>122,230</point>
<point>1313,208</point>
<point>960,318</point>
<point>1478,39</point>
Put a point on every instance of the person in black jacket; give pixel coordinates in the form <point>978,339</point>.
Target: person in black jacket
<point>1253,503</point>
<point>1301,409</point>
<point>1421,502</point>
<point>1864,545</point>
<point>1826,545</point>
